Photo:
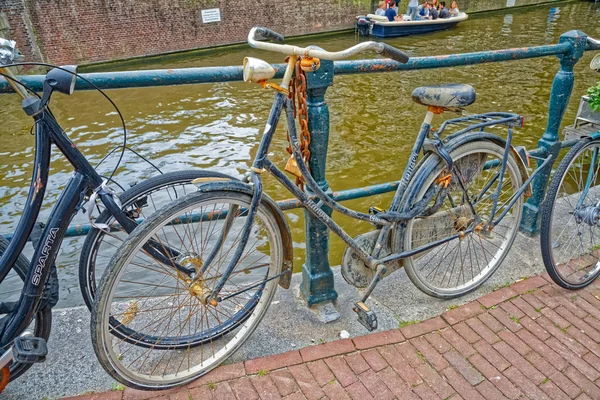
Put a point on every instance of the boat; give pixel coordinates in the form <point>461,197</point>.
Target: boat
<point>379,26</point>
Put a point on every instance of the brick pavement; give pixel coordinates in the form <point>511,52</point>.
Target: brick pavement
<point>532,340</point>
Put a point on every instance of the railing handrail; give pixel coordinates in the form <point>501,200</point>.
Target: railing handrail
<point>181,76</point>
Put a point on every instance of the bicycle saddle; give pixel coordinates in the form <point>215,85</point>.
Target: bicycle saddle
<point>447,96</point>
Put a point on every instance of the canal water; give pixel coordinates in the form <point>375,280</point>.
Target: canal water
<point>218,126</point>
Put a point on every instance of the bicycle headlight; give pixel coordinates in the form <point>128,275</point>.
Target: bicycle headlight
<point>62,81</point>
<point>595,64</point>
<point>256,70</point>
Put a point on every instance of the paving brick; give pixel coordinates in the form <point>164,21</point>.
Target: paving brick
<point>375,386</point>
<point>583,303</point>
<point>486,333</point>
<point>584,339</point>
<point>553,391</point>
<point>491,322</point>
<point>430,354</point>
<point>425,392</point>
<point>528,387</point>
<point>374,359</point>
<point>220,374</point>
<point>321,372</point>
<point>341,370</point>
<point>396,384</point>
<point>579,323</point>
<point>464,367</point>
<point>592,321</point>
<point>466,332</point>
<point>541,348</point>
<point>274,362</point>
<point>533,301</point>
<point>583,396</point>
<point>325,350</point>
<point>358,391</point>
<point>459,384</point>
<point>534,328</point>
<point>528,284</point>
<point>582,382</point>
<point>541,364</point>
<point>223,392</point>
<point>590,298</point>
<point>561,336</point>
<point>433,324</point>
<point>458,342</point>
<point>400,365</point>
<point>503,317</point>
<point>514,341</point>
<point>134,394</point>
<point>181,395</point>
<point>495,376</point>
<point>356,362</point>
<point>335,391</point>
<point>463,312</point>
<point>593,360</point>
<point>284,381</point>
<point>201,393</point>
<point>555,318</point>
<point>410,354</point>
<point>295,396</point>
<point>489,391</point>
<point>574,359</point>
<point>112,395</point>
<point>497,297</point>
<point>520,363</point>
<point>525,307</point>
<point>512,310</point>
<point>265,387</point>
<point>243,389</point>
<point>563,297</point>
<point>435,381</point>
<point>378,339</point>
<point>490,353</point>
<point>565,384</point>
<point>438,342</point>
<point>542,296</point>
<point>308,384</point>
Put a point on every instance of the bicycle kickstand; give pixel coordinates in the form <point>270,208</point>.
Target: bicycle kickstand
<point>366,316</point>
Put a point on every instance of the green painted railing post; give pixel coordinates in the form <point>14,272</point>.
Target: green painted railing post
<point>559,100</point>
<point>317,276</point>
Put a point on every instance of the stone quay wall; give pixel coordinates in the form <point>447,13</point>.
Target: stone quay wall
<point>87,31</point>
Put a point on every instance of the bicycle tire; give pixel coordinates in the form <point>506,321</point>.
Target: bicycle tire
<point>555,266</point>
<point>43,318</point>
<point>239,317</point>
<point>94,239</point>
<point>452,217</point>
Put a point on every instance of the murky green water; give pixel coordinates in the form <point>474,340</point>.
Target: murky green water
<point>373,121</point>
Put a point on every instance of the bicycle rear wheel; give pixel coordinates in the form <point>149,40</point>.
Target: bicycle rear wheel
<point>570,231</point>
<point>160,307</point>
<point>466,262</point>
<point>10,290</point>
<point>139,201</point>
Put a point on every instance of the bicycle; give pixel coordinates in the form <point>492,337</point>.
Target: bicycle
<point>458,205</point>
<point>571,212</point>
<point>36,283</point>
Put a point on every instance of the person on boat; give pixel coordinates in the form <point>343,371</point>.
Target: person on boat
<point>413,9</point>
<point>381,10</point>
<point>423,11</point>
<point>433,12</point>
<point>434,4</point>
<point>444,13</point>
<point>391,13</point>
<point>454,11</point>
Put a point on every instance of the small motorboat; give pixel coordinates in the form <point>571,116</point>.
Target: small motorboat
<point>379,26</point>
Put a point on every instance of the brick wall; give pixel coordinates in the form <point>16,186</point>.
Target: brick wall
<point>81,31</point>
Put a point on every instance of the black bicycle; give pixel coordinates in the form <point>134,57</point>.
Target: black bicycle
<point>28,290</point>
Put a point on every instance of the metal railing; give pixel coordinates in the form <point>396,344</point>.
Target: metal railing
<point>317,283</point>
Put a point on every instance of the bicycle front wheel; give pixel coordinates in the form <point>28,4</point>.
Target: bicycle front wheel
<point>461,265</point>
<point>570,231</point>
<point>139,201</point>
<point>160,306</point>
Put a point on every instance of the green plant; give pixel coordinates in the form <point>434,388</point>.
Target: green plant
<point>262,372</point>
<point>117,386</point>
<point>211,385</point>
<point>594,93</point>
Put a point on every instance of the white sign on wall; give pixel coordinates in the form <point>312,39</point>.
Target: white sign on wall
<point>510,3</point>
<point>211,15</point>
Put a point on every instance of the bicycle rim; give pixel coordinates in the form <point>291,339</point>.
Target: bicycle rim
<point>190,337</point>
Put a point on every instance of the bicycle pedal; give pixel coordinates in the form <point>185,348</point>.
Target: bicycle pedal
<point>29,350</point>
<point>365,316</point>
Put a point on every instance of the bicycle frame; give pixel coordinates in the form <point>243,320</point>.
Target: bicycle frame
<point>48,132</point>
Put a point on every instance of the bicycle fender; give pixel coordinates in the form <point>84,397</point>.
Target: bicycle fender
<point>231,185</point>
<point>455,142</point>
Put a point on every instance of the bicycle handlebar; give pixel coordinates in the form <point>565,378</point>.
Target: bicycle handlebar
<point>594,42</point>
<point>381,48</point>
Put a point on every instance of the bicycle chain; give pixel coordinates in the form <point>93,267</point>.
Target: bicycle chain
<point>298,96</point>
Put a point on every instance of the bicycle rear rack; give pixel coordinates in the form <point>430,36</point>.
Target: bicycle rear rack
<point>468,123</point>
